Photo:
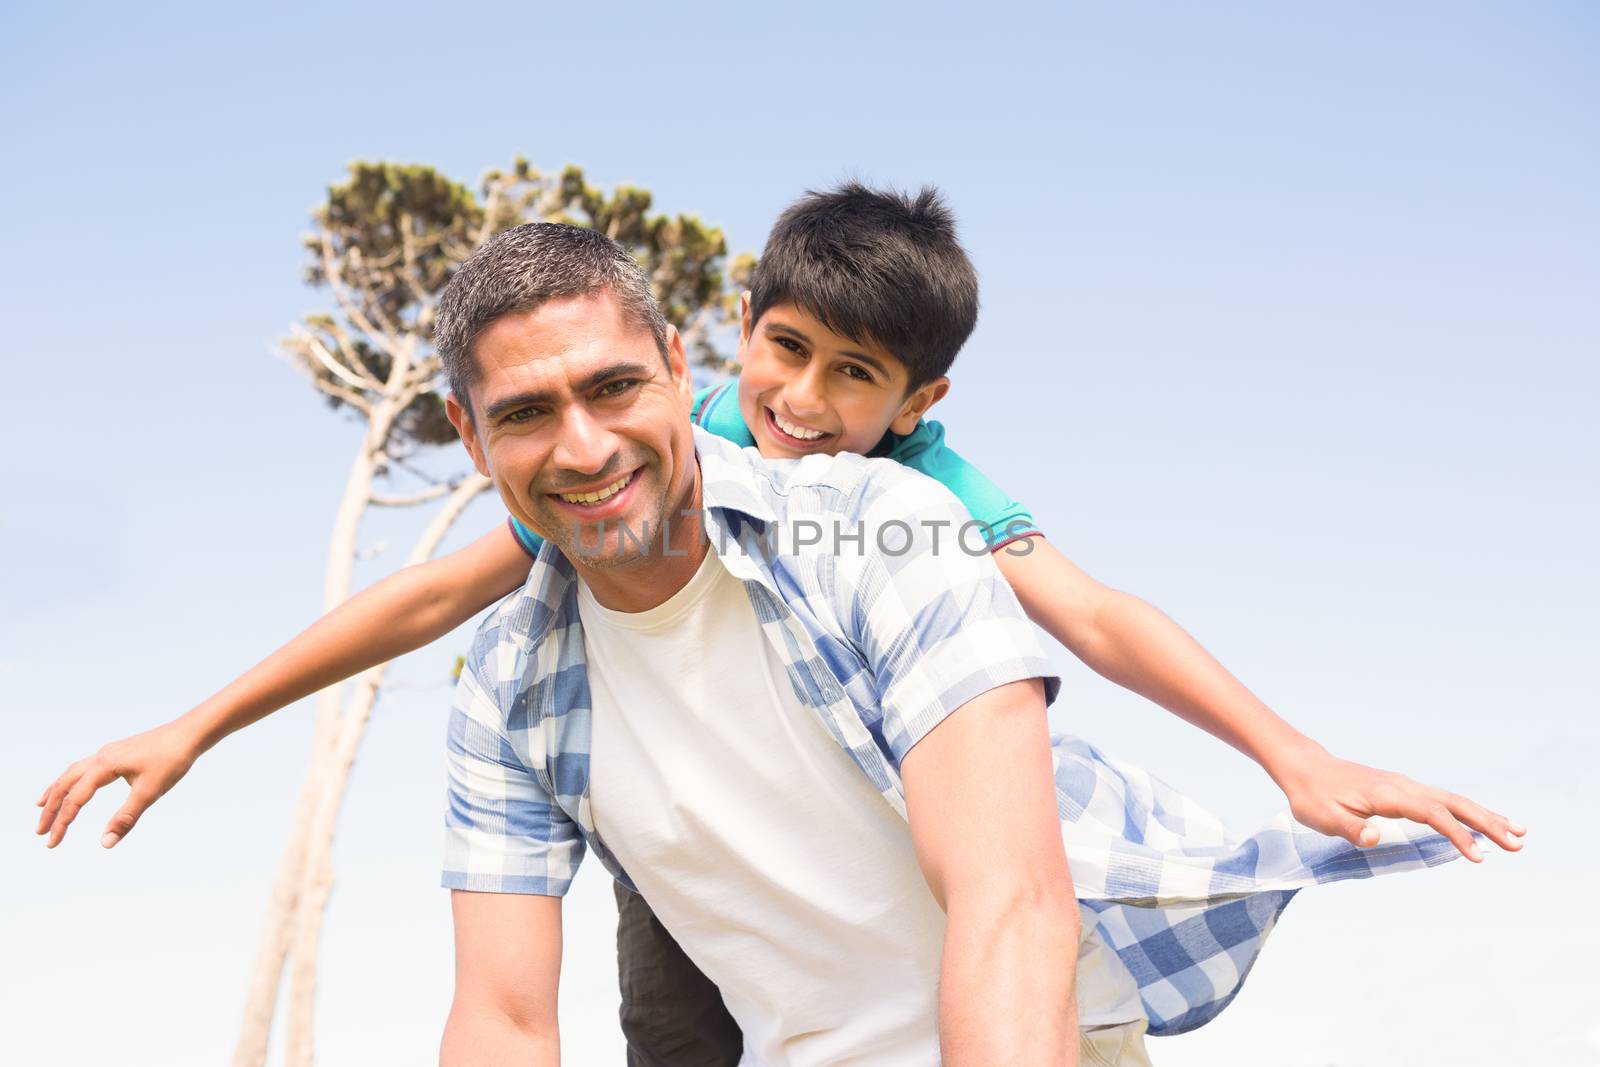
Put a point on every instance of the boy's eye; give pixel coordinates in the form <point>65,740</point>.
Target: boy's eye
<point>791,344</point>
<point>858,373</point>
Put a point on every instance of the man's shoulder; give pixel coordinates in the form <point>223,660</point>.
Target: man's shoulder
<point>500,658</point>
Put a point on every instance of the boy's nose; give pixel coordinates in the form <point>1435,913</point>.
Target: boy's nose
<point>804,396</point>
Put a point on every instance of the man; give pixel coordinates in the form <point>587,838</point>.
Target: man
<point>765,696</point>
<point>651,694</point>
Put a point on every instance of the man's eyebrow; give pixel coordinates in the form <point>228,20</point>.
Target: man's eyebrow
<point>849,353</point>
<point>627,369</point>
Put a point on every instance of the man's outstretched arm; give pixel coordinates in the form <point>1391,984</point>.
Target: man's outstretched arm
<point>980,795</point>
<point>508,968</point>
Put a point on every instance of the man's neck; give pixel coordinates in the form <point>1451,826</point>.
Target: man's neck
<point>668,565</point>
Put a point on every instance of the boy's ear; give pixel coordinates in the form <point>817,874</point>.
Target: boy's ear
<point>744,318</point>
<point>461,419</point>
<point>917,404</point>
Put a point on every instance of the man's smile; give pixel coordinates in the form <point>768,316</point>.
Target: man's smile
<point>604,501</point>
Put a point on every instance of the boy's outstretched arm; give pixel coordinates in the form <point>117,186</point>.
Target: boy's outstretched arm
<point>401,613</point>
<point>1133,644</point>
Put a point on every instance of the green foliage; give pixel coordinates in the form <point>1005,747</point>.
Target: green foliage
<point>388,239</point>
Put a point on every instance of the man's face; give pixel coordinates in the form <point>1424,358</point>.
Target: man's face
<point>579,421</point>
<point>805,389</point>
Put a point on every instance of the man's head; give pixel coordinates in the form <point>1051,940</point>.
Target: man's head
<point>569,389</point>
<point>859,304</point>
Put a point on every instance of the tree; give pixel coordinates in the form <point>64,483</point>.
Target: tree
<point>385,244</point>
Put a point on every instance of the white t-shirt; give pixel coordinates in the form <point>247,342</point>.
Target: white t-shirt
<point>758,842</point>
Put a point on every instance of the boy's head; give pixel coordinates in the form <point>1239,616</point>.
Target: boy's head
<point>859,304</point>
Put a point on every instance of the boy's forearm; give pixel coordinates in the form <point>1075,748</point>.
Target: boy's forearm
<point>1144,650</point>
<point>399,614</point>
<point>1132,643</point>
<point>1006,985</point>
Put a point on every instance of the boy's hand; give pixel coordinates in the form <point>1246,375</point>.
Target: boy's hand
<point>1336,797</point>
<point>152,763</point>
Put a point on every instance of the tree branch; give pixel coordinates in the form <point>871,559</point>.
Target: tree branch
<point>354,399</point>
<point>433,492</point>
<point>355,377</point>
<point>330,270</point>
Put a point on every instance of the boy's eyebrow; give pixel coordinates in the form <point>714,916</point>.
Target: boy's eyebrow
<point>851,353</point>
<point>545,396</point>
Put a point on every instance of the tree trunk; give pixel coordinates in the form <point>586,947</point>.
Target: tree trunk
<point>273,948</point>
<point>316,881</point>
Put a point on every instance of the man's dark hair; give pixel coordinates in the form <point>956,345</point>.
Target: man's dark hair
<point>875,266</point>
<point>519,270</point>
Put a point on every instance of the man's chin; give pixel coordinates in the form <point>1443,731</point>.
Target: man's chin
<point>607,544</point>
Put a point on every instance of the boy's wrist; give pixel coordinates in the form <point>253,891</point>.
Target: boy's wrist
<point>1286,757</point>
<point>201,728</point>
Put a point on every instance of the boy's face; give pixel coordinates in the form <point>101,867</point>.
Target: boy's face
<point>805,389</point>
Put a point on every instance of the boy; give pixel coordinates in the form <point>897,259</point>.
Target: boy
<point>860,303</point>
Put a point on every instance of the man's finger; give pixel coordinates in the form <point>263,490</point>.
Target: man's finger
<point>125,818</point>
<point>77,797</point>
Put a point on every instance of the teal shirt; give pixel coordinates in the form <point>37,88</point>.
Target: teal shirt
<point>716,408</point>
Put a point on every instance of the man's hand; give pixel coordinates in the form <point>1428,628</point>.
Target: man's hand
<point>151,762</point>
<point>1336,797</point>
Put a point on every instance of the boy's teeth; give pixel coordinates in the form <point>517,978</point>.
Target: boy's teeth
<point>796,431</point>
<point>594,498</point>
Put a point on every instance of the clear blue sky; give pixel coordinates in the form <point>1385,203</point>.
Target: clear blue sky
<point>1290,326</point>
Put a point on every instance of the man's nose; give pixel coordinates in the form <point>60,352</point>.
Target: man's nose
<point>586,445</point>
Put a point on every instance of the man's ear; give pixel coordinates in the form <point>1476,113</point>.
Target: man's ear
<point>917,404</point>
<point>678,364</point>
<point>461,419</point>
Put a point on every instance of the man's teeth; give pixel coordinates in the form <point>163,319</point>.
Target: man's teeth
<point>601,494</point>
<point>796,431</point>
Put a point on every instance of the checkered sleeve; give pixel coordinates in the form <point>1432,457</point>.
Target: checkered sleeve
<point>935,620</point>
<point>504,833</point>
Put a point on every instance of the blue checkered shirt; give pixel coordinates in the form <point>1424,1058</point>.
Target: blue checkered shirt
<point>886,624</point>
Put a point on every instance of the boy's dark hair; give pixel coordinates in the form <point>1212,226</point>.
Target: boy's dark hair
<point>875,266</point>
<point>519,270</point>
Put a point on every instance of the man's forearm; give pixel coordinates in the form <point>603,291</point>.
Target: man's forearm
<point>1006,984</point>
<point>484,1037</point>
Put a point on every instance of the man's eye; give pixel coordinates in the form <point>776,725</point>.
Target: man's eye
<point>618,387</point>
<point>519,415</point>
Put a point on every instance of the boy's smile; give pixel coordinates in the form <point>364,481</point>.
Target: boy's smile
<point>805,389</point>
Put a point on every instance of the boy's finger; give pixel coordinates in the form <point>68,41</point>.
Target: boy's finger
<point>76,798</point>
<point>1437,815</point>
<point>125,818</point>
<point>1355,829</point>
<point>53,796</point>
<point>1495,826</point>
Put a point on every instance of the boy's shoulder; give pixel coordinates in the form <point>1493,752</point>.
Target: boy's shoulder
<point>845,484</point>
